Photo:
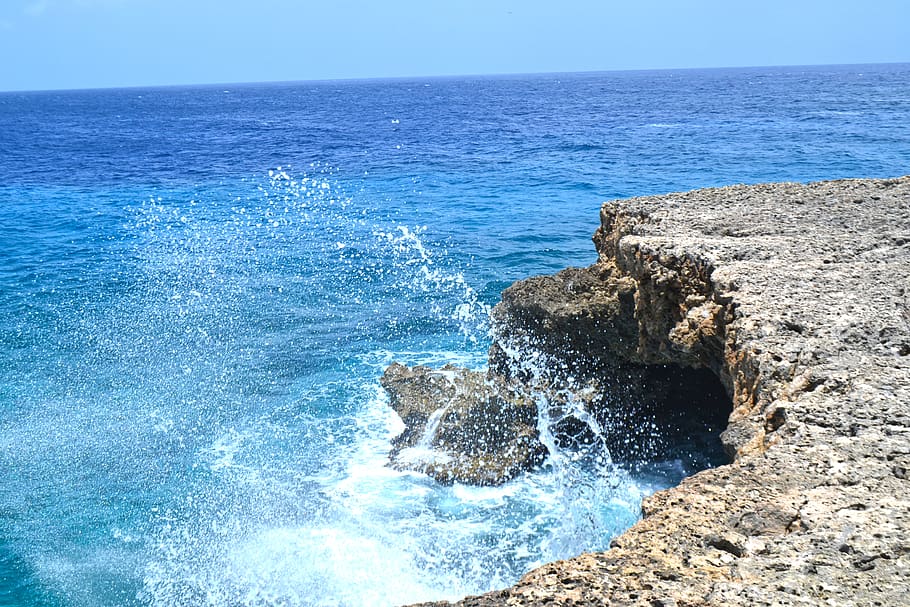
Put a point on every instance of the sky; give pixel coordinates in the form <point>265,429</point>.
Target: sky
<point>62,44</point>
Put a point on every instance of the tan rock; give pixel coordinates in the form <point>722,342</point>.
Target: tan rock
<point>798,298</point>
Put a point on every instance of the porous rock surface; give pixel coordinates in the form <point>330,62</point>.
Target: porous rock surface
<point>798,298</point>
<point>461,425</point>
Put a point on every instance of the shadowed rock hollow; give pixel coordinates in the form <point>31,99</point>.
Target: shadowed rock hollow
<point>797,298</point>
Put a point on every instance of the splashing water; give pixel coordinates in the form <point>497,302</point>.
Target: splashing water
<point>211,419</point>
<point>469,312</point>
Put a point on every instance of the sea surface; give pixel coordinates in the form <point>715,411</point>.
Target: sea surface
<point>201,286</point>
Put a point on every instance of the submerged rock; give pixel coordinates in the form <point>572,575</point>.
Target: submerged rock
<point>461,426</point>
<point>797,298</point>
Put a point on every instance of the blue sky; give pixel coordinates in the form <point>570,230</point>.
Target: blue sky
<point>52,44</point>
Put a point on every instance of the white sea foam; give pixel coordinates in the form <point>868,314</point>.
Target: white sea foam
<point>298,566</point>
<point>221,454</point>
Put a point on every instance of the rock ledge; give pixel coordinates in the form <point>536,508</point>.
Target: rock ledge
<point>797,297</point>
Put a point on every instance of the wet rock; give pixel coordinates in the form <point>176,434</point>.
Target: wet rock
<point>461,426</point>
<point>796,297</point>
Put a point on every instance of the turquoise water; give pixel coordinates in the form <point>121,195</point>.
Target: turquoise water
<point>200,288</point>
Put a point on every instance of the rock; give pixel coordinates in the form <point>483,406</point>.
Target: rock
<point>797,298</point>
<point>482,428</point>
<point>461,426</point>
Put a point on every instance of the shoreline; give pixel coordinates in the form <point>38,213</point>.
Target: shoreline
<point>797,297</point>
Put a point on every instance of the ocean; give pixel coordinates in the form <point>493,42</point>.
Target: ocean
<point>200,288</point>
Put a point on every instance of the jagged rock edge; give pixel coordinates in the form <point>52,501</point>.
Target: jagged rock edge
<point>766,529</point>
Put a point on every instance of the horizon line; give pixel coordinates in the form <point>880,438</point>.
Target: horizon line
<point>442,77</point>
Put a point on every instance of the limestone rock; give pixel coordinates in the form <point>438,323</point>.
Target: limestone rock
<point>461,426</point>
<point>797,297</point>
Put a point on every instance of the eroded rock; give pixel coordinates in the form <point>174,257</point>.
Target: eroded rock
<point>462,426</point>
<point>796,297</point>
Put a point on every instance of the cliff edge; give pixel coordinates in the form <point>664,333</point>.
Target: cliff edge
<point>797,297</point>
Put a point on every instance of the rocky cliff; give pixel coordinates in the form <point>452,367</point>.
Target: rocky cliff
<point>797,298</point>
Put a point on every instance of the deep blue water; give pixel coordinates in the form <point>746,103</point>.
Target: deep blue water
<point>200,287</point>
